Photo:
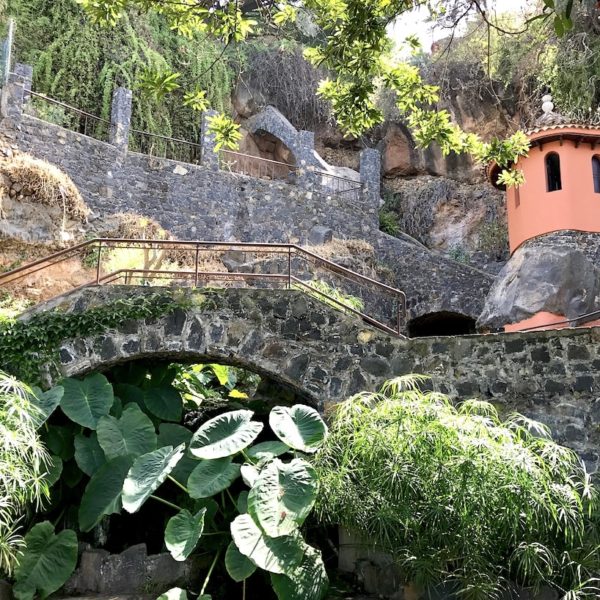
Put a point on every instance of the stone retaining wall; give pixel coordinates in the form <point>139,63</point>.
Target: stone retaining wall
<point>202,202</point>
<point>327,355</point>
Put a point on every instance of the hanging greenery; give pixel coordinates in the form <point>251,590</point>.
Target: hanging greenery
<point>80,63</point>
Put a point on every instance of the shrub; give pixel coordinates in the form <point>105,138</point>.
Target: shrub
<point>456,495</point>
<point>45,184</point>
<point>23,462</point>
<point>388,222</point>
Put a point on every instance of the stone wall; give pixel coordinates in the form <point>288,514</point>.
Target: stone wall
<point>326,355</point>
<point>203,202</point>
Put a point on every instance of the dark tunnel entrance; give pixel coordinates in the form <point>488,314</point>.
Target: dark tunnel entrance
<point>441,323</point>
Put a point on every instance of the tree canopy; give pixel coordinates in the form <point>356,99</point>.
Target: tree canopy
<point>354,48</point>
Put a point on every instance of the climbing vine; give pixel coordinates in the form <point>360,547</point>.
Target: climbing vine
<point>80,63</point>
<point>26,345</point>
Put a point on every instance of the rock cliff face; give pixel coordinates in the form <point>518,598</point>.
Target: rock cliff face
<point>442,201</point>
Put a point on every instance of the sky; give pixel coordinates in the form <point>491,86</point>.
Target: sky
<point>414,23</point>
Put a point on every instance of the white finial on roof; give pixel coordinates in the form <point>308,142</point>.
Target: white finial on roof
<point>549,117</point>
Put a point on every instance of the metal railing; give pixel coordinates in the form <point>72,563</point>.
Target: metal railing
<point>163,146</point>
<point>107,261</point>
<point>69,117</point>
<point>338,186</point>
<point>256,166</point>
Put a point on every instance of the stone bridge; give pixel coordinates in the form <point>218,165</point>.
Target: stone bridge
<point>325,355</point>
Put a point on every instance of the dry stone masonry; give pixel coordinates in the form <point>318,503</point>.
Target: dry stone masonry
<point>204,202</point>
<point>325,355</point>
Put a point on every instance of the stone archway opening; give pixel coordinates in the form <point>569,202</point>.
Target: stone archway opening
<point>264,145</point>
<point>441,324</point>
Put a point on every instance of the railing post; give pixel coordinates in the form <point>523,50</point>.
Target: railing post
<point>120,118</point>
<point>98,263</point>
<point>289,267</point>
<point>209,158</point>
<point>196,266</point>
<point>15,93</point>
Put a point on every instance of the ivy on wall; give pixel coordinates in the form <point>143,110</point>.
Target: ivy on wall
<point>25,345</point>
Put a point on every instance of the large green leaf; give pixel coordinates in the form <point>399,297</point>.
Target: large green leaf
<point>249,474</point>
<point>148,472</point>
<point>300,427</point>
<point>130,393</point>
<point>46,402</point>
<point>276,555</point>
<point>267,450</point>
<point>238,566</point>
<point>164,402</point>
<point>174,594</point>
<point>307,581</point>
<point>132,434</point>
<point>225,435</point>
<point>283,496</point>
<point>47,562</point>
<point>88,454</point>
<point>84,402</point>
<point>183,532</point>
<point>171,434</point>
<point>102,495</point>
<point>59,440</point>
<point>212,476</point>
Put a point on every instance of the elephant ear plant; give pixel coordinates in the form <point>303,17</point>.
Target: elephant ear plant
<point>241,501</point>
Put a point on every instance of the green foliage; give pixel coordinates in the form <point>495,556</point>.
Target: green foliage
<point>355,49</point>
<point>48,561</point>
<point>225,130</point>
<point>80,62</point>
<point>125,463</point>
<point>330,295</point>
<point>25,345</point>
<point>388,222</point>
<point>468,498</point>
<point>23,463</point>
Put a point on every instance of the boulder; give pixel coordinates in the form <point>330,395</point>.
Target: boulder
<point>399,154</point>
<point>246,101</point>
<point>320,235</point>
<point>560,280</point>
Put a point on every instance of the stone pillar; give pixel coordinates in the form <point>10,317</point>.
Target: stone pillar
<point>305,155</point>
<point>120,118</point>
<point>370,175</point>
<point>209,157</point>
<point>16,92</point>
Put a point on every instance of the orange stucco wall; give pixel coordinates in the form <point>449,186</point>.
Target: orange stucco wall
<point>545,320</point>
<point>576,206</point>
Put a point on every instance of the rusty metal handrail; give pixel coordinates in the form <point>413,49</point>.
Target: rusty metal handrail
<point>259,159</point>
<point>288,251</point>
<point>68,107</point>
<point>165,137</point>
<point>78,120</point>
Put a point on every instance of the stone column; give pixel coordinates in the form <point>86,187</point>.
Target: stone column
<point>209,157</point>
<point>305,154</point>
<point>120,118</point>
<point>370,175</point>
<point>16,92</point>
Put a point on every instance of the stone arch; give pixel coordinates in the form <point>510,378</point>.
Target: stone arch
<point>271,122</point>
<point>322,354</point>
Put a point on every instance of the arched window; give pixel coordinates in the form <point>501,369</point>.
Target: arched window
<point>553,181</point>
<point>596,173</point>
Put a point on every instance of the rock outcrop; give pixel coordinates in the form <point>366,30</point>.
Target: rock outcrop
<point>555,273</point>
